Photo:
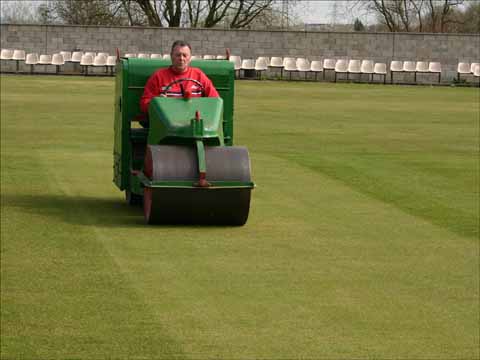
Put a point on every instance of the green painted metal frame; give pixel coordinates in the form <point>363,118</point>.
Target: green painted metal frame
<point>131,76</point>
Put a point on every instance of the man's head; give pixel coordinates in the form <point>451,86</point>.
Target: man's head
<point>181,55</point>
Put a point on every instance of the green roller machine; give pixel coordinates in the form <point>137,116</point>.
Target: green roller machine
<point>183,167</point>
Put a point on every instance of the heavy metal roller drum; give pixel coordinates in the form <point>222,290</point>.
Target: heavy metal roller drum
<point>193,204</point>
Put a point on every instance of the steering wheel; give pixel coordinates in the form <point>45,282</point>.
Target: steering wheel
<point>182,80</point>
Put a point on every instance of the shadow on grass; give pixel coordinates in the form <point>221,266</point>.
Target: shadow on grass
<point>78,210</point>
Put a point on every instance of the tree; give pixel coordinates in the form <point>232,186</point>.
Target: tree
<point>358,25</point>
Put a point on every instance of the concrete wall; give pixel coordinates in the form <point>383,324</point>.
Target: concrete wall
<point>449,49</point>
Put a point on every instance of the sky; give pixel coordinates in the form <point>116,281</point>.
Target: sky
<point>309,12</point>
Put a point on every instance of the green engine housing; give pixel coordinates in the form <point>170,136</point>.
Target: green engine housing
<point>216,114</point>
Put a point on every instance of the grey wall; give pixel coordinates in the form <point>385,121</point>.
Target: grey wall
<point>449,49</point>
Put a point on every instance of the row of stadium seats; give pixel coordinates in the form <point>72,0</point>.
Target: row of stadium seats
<point>249,66</point>
<point>59,59</point>
<point>342,66</point>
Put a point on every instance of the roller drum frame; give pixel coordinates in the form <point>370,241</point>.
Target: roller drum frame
<point>196,205</point>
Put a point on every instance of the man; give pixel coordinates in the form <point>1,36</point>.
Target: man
<point>198,85</point>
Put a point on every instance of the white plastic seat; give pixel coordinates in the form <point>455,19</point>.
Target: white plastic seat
<point>316,66</point>
<point>395,66</point>
<point>237,62</point>
<point>247,65</point>
<point>354,67</point>
<point>76,56</point>
<point>45,60</point>
<point>303,65</point>
<point>104,54</point>
<point>288,59</point>
<point>366,67</point>
<point>420,67</point>
<point>473,66</point>
<point>380,69</point>
<point>410,66</point>
<point>261,64</point>
<point>435,68</point>
<point>166,57</point>
<point>156,56</point>
<point>196,57</point>
<point>221,57</point>
<point>462,68</point>
<point>18,55</point>
<point>476,71</point>
<point>111,62</point>
<point>100,60</point>
<point>6,54</point>
<point>276,62</point>
<point>67,56</point>
<point>86,61</point>
<point>328,64</point>
<point>290,65</point>
<point>209,57</point>
<point>58,60</point>
<point>143,56</point>
<point>130,55</point>
<point>341,67</point>
<point>31,59</point>
<point>93,54</point>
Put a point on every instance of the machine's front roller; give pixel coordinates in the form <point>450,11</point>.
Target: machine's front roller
<point>175,194</point>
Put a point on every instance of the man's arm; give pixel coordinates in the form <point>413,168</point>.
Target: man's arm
<point>151,90</point>
<point>210,90</point>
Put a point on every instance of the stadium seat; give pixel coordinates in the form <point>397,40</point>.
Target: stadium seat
<point>303,65</point>
<point>316,66</point>
<point>32,60</point>
<point>6,54</point>
<point>100,61</point>
<point>93,54</point>
<point>67,56</point>
<point>354,67</point>
<point>104,54</point>
<point>209,57</point>
<point>156,56</point>
<point>86,61</point>
<point>409,66</point>
<point>76,56</point>
<point>341,67</point>
<point>366,67</point>
<point>221,57</point>
<point>276,62</point>
<point>18,55</point>
<point>380,69</point>
<point>196,57</point>
<point>395,66</point>
<point>57,60</point>
<point>290,66</point>
<point>420,67</point>
<point>111,63</point>
<point>237,63</point>
<point>45,60</point>
<point>143,56</point>
<point>166,57</point>
<point>130,55</point>
<point>247,65</point>
<point>462,68</point>
<point>473,66</point>
<point>261,64</point>
<point>328,64</point>
<point>435,68</point>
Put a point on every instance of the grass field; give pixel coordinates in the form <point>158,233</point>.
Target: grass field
<point>362,241</point>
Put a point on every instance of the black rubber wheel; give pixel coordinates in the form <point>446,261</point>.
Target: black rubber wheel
<point>133,199</point>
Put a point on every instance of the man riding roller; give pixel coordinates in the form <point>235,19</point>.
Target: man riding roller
<point>184,81</point>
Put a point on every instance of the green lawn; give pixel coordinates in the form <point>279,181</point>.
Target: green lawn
<point>362,241</point>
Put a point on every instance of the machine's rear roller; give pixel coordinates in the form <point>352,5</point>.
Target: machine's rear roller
<point>223,206</point>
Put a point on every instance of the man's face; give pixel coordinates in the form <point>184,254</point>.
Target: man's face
<point>181,56</point>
